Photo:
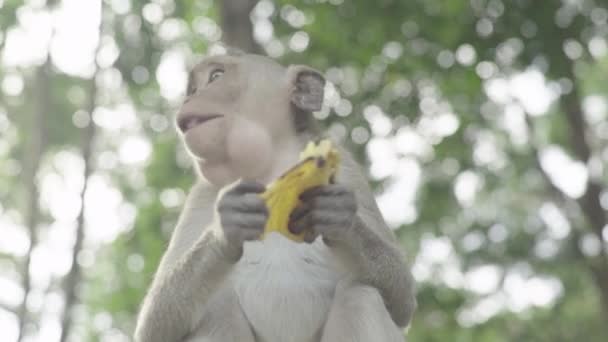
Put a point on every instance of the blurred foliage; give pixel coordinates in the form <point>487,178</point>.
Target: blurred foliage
<point>414,61</point>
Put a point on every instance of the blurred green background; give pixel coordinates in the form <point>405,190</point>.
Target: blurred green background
<point>483,125</point>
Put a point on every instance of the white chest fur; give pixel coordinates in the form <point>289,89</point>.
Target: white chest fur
<point>285,288</point>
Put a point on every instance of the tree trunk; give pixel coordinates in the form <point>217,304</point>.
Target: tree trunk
<point>35,151</point>
<point>237,29</point>
<point>589,203</point>
<point>74,276</point>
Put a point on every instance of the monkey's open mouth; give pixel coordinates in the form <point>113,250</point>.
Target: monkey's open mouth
<point>190,121</point>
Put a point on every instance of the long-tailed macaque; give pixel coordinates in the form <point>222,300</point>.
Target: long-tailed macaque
<point>244,120</point>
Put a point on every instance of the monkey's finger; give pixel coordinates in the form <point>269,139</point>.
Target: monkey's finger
<point>245,221</point>
<point>248,187</point>
<point>298,226</point>
<point>323,190</point>
<point>322,218</point>
<point>312,192</point>
<point>333,202</point>
<point>310,235</point>
<point>253,203</point>
<point>250,235</point>
<point>247,203</point>
<point>315,220</point>
<point>299,211</point>
<point>256,224</point>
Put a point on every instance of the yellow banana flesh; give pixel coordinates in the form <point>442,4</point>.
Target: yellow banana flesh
<point>318,165</point>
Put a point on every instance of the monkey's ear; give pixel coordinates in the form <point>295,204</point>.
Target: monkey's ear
<point>308,84</point>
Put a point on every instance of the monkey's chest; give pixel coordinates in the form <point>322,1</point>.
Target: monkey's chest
<point>285,288</point>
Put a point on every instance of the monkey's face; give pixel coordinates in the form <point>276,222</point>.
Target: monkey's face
<point>236,111</point>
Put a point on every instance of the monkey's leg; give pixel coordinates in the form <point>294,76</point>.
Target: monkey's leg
<point>358,314</point>
<point>224,321</point>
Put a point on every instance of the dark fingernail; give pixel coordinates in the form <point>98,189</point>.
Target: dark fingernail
<point>294,228</point>
<point>311,192</point>
<point>305,194</point>
<point>310,237</point>
<point>291,228</point>
<point>298,212</point>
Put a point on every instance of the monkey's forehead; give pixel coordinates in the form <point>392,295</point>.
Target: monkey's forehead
<point>251,60</point>
<point>215,60</point>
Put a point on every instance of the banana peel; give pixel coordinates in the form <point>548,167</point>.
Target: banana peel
<point>317,166</point>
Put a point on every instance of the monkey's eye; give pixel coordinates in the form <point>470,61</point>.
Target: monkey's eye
<point>191,89</point>
<point>215,74</point>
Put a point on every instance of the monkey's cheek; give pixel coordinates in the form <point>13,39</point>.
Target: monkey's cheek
<point>249,149</point>
<point>208,140</point>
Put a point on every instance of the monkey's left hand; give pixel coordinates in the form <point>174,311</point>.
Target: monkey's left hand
<point>327,210</point>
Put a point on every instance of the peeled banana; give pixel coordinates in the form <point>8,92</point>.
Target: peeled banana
<point>318,164</point>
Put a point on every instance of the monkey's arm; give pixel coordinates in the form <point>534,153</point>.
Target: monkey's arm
<point>175,302</point>
<point>347,217</point>
<point>191,270</point>
<point>380,264</point>
<point>379,261</point>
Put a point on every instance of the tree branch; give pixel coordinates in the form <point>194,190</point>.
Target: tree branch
<point>9,308</point>
<point>237,28</point>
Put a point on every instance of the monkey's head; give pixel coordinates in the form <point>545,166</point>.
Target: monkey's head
<point>240,108</point>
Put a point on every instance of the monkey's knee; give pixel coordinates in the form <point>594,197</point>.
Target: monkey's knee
<point>356,295</point>
<point>364,303</point>
<point>358,313</point>
<point>224,321</point>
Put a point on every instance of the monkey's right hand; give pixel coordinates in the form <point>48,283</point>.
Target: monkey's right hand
<point>243,214</point>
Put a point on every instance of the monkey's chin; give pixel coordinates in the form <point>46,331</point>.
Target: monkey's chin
<point>207,141</point>
<point>216,174</point>
<point>204,156</point>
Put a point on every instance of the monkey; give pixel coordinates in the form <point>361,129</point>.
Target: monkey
<point>244,120</point>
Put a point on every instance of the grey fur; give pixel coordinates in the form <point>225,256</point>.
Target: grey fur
<point>217,282</point>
